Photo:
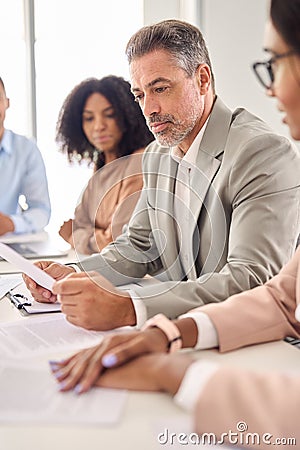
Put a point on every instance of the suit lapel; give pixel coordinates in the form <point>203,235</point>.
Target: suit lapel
<point>211,147</point>
<point>167,235</point>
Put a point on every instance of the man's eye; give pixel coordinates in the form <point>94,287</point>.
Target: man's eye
<point>160,89</point>
<point>138,98</point>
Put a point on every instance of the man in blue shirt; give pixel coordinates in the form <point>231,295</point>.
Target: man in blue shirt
<point>22,172</point>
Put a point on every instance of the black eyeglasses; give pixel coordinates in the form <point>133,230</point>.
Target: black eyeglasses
<point>264,70</point>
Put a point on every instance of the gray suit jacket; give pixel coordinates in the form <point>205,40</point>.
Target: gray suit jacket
<point>244,217</point>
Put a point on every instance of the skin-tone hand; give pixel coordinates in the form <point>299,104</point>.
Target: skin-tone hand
<point>81,371</point>
<point>57,271</point>
<point>65,231</point>
<point>6,224</point>
<point>156,372</point>
<point>90,301</point>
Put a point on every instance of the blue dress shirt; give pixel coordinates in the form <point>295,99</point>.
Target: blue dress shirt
<point>22,172</point>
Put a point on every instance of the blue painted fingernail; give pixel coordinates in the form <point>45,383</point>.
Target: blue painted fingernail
<point>109,360</point>
<point>62,385</point>
<point>78,389</point>
<point>58,374</point>
<point>54,365</point>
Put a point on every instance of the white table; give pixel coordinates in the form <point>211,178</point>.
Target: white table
<point>145,413</point>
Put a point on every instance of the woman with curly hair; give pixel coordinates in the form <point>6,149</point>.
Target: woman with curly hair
<point>100,122</point>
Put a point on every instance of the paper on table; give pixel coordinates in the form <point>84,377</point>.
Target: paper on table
<point>31,306</point>
<point>38,275</point>
<point>44,336</point>
<point>8,282</point>
<point>30,395</point>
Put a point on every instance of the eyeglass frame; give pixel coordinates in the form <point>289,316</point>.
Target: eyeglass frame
<point>268,65</point>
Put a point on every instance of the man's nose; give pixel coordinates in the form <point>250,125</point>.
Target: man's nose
<point>150,106</point>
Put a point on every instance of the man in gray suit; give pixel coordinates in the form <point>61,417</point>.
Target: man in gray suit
<point>217,214</point>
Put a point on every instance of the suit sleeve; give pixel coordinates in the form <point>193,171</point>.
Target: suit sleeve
<point>267,404</point>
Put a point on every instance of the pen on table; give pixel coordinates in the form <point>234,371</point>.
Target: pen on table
<point>19,300</point>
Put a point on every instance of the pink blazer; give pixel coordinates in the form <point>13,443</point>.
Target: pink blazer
<point>268,403</point>
<point>265,313</point>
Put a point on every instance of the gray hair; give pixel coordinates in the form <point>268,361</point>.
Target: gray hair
<point>181,39</point>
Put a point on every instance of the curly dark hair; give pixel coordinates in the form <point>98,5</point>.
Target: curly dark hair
<point>69,132</point>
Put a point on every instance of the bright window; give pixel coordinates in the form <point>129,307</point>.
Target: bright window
<point>74,40</point>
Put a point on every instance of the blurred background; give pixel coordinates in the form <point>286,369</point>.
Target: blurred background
<point>47,47</point>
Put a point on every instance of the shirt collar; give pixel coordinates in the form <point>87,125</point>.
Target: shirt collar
<point>6,144</point>
<point>189,158</point>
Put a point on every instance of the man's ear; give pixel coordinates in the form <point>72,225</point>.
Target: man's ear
<point>203,74</point>
<point>7,103</point>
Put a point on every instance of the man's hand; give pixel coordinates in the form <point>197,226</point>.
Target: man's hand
<point>90,301</point>
<point>57,271</point>
<point>84,367</point>
<point>6,224</point>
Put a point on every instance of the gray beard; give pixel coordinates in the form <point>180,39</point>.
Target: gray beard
<point>173,137</point>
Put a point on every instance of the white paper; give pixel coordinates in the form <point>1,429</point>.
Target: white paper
<point>44,336</point>
<point>38,275</point>
<point>30,395</point>
<point>35,307</point>
<point>8,282</point>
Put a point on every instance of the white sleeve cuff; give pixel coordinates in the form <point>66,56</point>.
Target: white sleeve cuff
<point>75,267</point>
<point>297,313</point>
<point>20,224</point>
<point>207,333</point>
<point>139,307</point>
<point>193,383</point>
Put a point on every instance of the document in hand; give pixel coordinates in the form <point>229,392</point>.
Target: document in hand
<point>38,275</point>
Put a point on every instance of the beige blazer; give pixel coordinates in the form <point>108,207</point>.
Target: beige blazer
<point>268,403</point>
<point>242,226</point>
<point>107,203</point>
<point>265,313</point>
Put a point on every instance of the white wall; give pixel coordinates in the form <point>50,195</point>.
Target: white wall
<point>234,33</point>
<point>233,30</point>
